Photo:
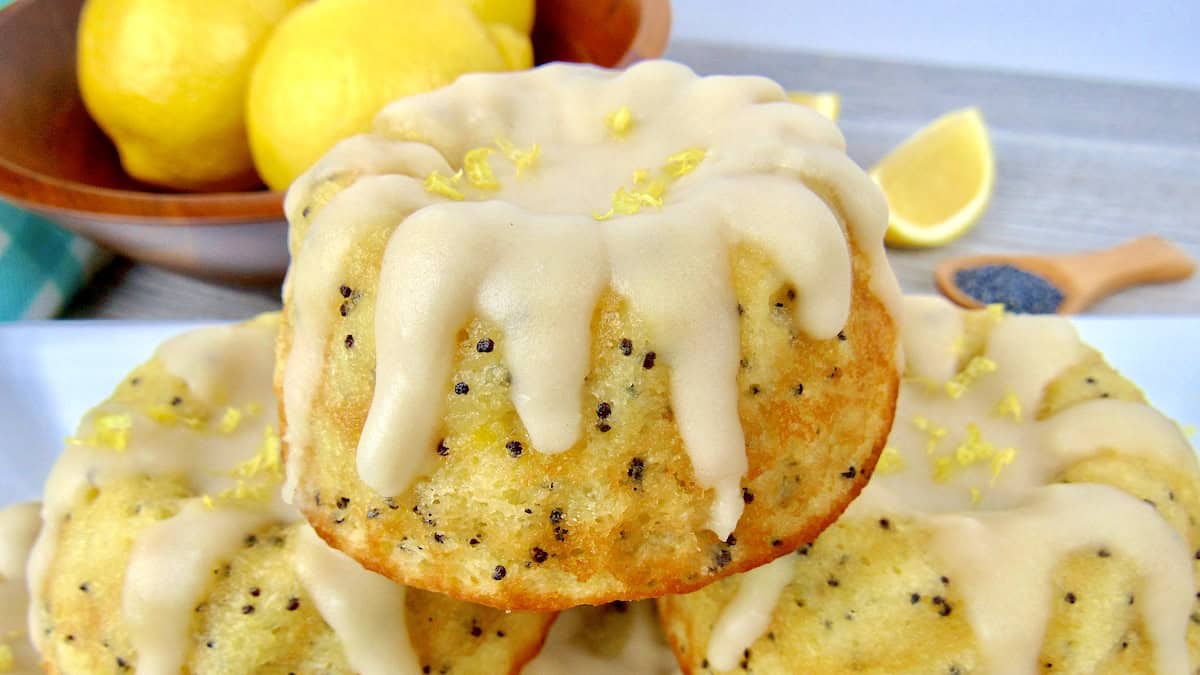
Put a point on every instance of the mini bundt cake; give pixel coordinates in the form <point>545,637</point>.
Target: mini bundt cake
<point>572,335</point>
<point>166,549</point>
<point>1030,514</point>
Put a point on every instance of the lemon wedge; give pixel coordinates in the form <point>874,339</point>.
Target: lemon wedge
<point>939,181</point>
<point>825,102</point>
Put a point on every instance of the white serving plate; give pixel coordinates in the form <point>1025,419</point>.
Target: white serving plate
<point>52,372</point>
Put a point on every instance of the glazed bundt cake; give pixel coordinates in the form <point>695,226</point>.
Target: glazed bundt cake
<point>571,335</point>
<point>166,548</point>
<point>1030,514</point>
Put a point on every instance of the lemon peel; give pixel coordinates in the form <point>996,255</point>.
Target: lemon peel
<point>936,433</point>
<point>267,460</point>
<point>649,190</point>
<point>619,122</point>
<point>230,420</point>
<point>939,181</point>
<point>439,183</point>
<point>973,450</point>
<point>1009,406</point>
<point>108,431</point>
<point>479,170</point>
<point>684,162</point>
<point>975,368</point>
<point>522,159</point>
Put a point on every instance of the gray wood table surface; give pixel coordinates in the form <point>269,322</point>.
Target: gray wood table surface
<point>1080,165</point>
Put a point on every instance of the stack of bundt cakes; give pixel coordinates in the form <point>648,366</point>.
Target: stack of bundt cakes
<point>1031,513</point>
<point>569,339</point>
<point>571,335</point>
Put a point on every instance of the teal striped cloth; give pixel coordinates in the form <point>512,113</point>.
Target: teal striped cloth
<point>41,265</point>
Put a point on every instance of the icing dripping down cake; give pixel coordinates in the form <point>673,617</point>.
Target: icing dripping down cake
<point>567,335</point>
<point>166,548</point>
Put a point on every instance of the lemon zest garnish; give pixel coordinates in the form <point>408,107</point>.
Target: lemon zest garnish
<point>890,461</point>
<point>684,162</point>
<point>266,460</point>
<point>208,502</point>
<point>523,159</point>
<point>973,450</point>
<point>976,495</point>
<point>440,184</point>
<point>995,312</point>
<point>620,121</point>
<point>108,431</point>
<point>936,433</point>
<point>943,469</point>
<point>975,368</point>
<point>648,190</point>
<point>253,408</point>
<point>479,169</point>
<point>1002,459</point>
<point>7,660</point>
<point>230,421</point>
<point>245,491</point>
<point>1009,406</point>
<point>1188,430</point>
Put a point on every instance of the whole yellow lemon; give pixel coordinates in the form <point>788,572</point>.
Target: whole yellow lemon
<point>167,79</point>
<point>516,13</point>
<point>331,65</point>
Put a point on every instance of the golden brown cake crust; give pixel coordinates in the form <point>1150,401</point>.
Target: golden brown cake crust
<point>619,515</point>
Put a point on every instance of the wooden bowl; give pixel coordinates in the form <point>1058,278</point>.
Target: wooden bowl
<point>55,161</point>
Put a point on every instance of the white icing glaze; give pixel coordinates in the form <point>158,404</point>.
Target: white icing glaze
<point>235,466</point>
<point>998,523</point>
<point>364,609</point>
<point>566,652</point>
<point>171,565</point>
<point>748,615</point>
<point>348,215</point>
<point>1005,560</point>
<point>528,252</point>
<point>233,364</point>
<point>18,526</point>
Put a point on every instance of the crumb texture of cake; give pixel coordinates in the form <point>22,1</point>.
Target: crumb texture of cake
<point>573,335</point>
<point>1031,513</point>
<point>167,549</point>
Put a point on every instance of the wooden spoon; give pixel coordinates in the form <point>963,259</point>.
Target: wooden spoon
<point>1082,278</point>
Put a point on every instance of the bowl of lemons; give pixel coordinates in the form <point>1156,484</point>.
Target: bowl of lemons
<point>168,130</point>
